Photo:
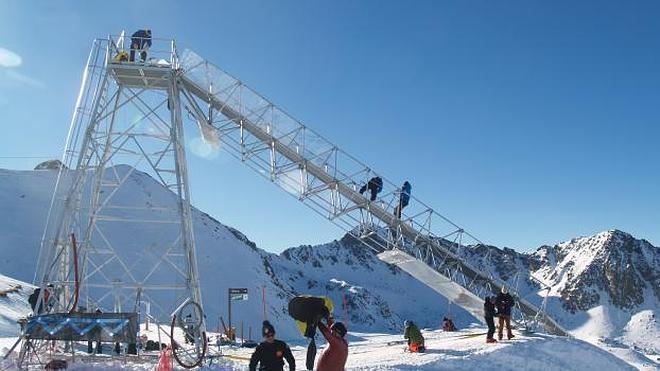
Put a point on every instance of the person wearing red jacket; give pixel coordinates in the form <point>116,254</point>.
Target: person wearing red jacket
<point>334,356</point>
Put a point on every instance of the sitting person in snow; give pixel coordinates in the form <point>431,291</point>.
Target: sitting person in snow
<point>448,325</point>
<point>334,356</point>
<point>414,336</point>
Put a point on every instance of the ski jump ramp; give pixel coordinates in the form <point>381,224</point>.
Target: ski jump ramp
<point>312,169</point>
<point>315,171</point>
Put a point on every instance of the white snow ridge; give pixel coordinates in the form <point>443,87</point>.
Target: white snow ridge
<point>605,289</point>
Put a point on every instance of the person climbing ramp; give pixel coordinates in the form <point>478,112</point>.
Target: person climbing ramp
<point>414,337</point>
<point>489,314</point>
<point>374,185</point>
<point>404,198</point>
<point>271,353</point>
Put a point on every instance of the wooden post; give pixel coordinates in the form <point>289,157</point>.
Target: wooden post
<point>263,299</point>
<point>345,307</point>
<point>229,307</point>
<point>224,328</point>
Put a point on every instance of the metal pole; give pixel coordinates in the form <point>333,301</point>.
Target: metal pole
<point>263,299</point>
<point>229,310</point>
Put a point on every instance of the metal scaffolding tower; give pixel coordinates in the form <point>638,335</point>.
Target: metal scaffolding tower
<point>127,123</point>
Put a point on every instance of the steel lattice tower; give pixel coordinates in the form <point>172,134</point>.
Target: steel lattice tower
<point>127,124</point>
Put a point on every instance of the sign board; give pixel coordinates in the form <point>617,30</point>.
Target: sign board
<point>236,294</point>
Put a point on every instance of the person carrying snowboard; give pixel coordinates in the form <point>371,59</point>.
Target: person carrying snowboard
<point>375,185</point>
<point>504,303</point>
<point>271,353</point>
<point>414,336</point>
<point>334,356</point>
<point>308,312</point>
<point>489,313</point>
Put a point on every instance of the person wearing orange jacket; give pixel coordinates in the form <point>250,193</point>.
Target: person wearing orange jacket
<point>335,355</point>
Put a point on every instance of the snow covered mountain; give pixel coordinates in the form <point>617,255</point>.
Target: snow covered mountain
<point>606,286</point>
<point>378,297</point>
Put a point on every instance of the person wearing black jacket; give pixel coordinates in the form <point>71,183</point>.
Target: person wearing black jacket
<point>375,185</point>
<point>271,353</point>
<point>140,43</point>
<point>504,303</point>
<point>489,313</point>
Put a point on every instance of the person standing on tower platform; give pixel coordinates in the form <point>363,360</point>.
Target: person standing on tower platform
<point>375,185</point>
<point>140,42</point>
<point>404,198</point>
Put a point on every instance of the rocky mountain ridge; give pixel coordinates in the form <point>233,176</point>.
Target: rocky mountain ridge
<point>596,285</point>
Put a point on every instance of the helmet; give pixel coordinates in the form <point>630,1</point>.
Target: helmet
<point>407,322</point>
<point>339,327</point>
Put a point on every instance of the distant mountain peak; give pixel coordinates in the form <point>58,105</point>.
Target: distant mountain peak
<point>50,165</point>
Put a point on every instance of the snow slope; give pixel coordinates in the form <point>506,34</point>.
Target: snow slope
<point>446,351</point>
<point>13,304</point>
<point>378,296</point>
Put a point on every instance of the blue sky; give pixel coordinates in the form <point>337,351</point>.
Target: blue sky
<point>527,122</point>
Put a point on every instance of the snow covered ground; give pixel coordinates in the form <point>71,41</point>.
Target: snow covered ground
<point>13,304</point>
<point>463,350</point>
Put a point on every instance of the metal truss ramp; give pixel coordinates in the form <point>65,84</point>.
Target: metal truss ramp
<point>303,163</point>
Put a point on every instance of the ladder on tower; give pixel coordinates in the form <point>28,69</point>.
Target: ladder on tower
<point>421,242</point>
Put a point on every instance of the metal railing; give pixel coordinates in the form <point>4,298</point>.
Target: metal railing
<point>158,52</point>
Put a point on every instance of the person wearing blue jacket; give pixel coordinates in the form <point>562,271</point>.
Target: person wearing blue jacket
<point>404,198</point>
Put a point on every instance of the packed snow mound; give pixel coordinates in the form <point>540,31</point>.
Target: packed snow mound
<point>13,304</point>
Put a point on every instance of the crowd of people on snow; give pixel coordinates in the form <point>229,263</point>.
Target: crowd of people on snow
<point>311,313</point>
